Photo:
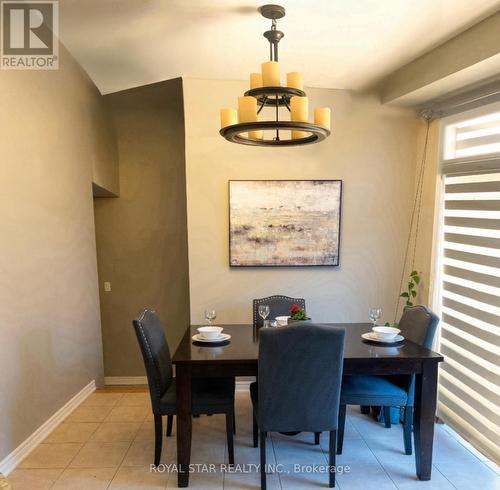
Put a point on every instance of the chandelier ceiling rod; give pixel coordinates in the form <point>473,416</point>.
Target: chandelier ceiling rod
<point>274,36</point>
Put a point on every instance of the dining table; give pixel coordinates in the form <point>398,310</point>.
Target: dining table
<point>239,357</point>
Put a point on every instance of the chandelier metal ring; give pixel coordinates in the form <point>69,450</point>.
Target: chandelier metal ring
<point>233,133</point>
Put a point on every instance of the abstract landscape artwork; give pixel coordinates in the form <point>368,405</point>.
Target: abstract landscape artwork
<point>284,222</point>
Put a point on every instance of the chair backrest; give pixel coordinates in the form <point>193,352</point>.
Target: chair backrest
<point>419,324</point>
<point>279,306</point>
<point>300,375</point>
<point>156,354</point>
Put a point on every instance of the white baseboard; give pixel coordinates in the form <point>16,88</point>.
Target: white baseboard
<point>8,464</point>
<point>125,380</point>
<point>241,385</point>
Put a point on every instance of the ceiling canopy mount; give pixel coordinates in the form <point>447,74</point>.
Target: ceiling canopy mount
<point>272,11</point>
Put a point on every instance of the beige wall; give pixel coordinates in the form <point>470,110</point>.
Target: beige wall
<point>50,335</point>
<point>141,236</point>
<point>373,149</point>
<point>427,222</point>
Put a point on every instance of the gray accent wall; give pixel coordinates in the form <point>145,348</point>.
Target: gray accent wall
<point>142,235</point>
<point>50,332</point>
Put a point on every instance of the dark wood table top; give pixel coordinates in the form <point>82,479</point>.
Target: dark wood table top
<point>244,347</point>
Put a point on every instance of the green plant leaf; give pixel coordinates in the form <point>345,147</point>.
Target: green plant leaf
<point>414,293</point>
<point>416,279</point>
<point>414,273</point>
<point>409,303</point>
<point>411,285</point>
<point>404,295</point>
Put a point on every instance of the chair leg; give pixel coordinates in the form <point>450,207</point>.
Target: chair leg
<point>340,432</point>
<point>262,460</point>
<point>331,457</point>
<point>316,438</point>
<point>230,436</point>
<point>234,423</point>
<point>255,431</point>
<point>158,438</point>
<point>407,429</point>
<point>170,421</point>
<point>387,417</point>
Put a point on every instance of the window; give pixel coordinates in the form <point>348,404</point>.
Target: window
<point>473,137</point>
<point>469,290</point>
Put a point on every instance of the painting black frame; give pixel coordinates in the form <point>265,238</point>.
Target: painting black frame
<point>237,266</point>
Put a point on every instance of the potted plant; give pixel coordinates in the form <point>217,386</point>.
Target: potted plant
<point>409,295</point>
<point>298,314</point>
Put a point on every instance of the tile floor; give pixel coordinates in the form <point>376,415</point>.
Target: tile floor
<point>107,443</point>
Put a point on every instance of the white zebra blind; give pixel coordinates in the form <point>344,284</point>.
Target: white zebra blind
<point>469,383</point>
<point>473,137</point>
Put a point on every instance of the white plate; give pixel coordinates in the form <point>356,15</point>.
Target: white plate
<point>221,338</point>
<point>371,336</point>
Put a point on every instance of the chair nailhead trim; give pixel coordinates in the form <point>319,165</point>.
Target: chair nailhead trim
<point>151,360</point>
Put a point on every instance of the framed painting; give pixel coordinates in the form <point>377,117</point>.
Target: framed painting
<point>284,223</point>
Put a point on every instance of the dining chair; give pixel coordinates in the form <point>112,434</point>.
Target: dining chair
<point>298,387</point>
<point>418,324</point>
<point>208,397</point>
<point>278,305</point>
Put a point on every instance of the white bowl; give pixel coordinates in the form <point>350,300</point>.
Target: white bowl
<point>210,332</point>
<point>282,320</point>
<point>385,333</point>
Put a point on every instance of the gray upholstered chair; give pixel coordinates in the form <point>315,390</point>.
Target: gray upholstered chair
<point>208,397</point>
<point>279,306</point>
<point>299,379</point>
<point>419,324</point>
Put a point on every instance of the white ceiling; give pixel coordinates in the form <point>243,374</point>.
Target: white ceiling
<point>349,44</point>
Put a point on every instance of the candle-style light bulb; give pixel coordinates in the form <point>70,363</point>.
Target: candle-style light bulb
<point>228,117</point>
<point>299,112</point>
<point>271,74</point>
<point>322,117</point>
<point>295,80</point>
<point>256,80</point>
<point>247,112</point>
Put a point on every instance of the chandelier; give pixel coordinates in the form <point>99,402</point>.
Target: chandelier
<point>244,126</point>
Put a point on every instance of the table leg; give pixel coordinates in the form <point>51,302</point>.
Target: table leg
<point>184,423</point>
<point>424,416</point>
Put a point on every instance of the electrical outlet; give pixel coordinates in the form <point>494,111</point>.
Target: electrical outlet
<point>107,286</point>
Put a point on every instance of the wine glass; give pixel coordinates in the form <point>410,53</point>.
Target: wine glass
<point>210,315</point>
<point>264,311</point>
<point>375,314</point>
